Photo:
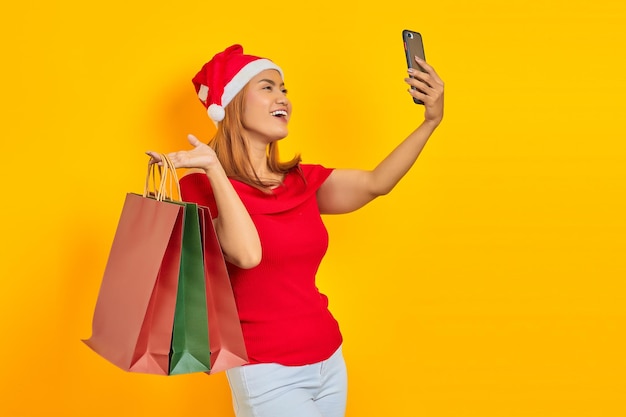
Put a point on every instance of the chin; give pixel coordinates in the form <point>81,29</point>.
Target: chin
<point>281,135</point>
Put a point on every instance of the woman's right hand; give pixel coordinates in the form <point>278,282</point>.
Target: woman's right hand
<point>202,156</point>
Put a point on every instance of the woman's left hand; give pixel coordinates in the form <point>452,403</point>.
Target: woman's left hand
<point>202,156</point>
<point>429,89</point>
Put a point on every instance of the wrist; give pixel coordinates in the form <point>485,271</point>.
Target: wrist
<point>432,124</point>
<point>214,171</point>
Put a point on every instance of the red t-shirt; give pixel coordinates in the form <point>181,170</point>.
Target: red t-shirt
<point>284,317</point>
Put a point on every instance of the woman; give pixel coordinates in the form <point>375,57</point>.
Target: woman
<point>267,218</point>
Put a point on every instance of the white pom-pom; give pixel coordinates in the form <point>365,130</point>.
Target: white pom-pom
<point>216,113</point>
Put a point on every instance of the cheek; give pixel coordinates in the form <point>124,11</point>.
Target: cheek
<point>256,107</point>
<point>251,102</point>
<point>248,109</point>
<point>250,114</point>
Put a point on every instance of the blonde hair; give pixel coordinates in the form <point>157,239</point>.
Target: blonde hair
<point>231,148</point>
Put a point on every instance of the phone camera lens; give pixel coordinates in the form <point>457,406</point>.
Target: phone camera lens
<point>410,36</point>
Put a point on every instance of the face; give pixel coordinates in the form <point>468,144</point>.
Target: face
<point>267,109</point>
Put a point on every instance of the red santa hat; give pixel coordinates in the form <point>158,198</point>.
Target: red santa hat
<point>220,79</point>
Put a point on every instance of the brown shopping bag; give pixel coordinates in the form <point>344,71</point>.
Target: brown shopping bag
<point>134,313</point>
<point>228,349</point>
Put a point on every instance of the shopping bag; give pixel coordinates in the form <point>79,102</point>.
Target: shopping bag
<point>197,301</point>
<point>190,336</point>
<point>165,304</point>
<point>227,345</point>
<point>134,313</point>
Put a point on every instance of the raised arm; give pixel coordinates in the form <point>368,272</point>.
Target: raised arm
<point>236,232</point>
<point>348,190</point>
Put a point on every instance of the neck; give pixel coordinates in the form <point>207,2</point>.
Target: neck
<point>258,158</point>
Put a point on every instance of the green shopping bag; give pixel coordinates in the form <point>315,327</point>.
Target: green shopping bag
<point>190,351</point>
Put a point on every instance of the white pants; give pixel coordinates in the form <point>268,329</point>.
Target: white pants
<point>272,390</point>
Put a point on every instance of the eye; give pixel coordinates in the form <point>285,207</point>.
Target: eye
<point>285,91</point>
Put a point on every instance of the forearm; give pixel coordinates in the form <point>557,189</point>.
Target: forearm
<point>429,88</point>
<point>348,190</point>
<point>235,230</point>
<point>391,170</point>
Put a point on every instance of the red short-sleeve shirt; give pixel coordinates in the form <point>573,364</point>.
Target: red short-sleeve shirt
<point>284,317</point>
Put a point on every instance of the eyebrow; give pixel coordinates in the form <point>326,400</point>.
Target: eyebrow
<point>270,82</point>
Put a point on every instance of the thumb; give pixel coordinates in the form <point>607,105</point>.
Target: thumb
<point>194,141</point>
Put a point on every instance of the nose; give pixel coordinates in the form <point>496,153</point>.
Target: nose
<point>282,100</point>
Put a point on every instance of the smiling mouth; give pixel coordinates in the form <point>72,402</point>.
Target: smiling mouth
<point>279,113</point>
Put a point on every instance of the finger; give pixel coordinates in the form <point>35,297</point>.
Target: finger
<point>428,77</point>
<point>429,85</point>
<point>422,86</point>
<point>417,95</point>
<point>420,90</point>
<point>428,69</point>
<point>176,159</point>
<point>154,157</point>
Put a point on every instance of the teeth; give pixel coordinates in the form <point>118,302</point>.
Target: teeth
<point>279,113</point>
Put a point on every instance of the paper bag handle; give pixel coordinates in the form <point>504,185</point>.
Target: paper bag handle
<point>167,179</point>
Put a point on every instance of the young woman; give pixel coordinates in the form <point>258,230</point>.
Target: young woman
<point>267,218</point>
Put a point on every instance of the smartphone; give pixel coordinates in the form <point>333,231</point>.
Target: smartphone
<point>413,46</point>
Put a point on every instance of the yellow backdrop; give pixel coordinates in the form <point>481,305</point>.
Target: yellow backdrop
<point>489,283</point>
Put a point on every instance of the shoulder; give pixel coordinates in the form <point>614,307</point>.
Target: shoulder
<point>314,171</point>
<point>314,175</point>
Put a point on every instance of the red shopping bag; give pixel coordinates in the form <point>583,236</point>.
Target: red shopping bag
<point>133,318</point>
<point>134,314</point>
<point>226,342</point>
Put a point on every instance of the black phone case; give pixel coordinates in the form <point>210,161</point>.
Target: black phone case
<point>413,46</point>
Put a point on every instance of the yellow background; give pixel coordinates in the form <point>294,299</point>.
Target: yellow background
<point>489,283</point>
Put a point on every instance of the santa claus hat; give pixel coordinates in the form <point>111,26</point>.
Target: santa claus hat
<point>220,79</point>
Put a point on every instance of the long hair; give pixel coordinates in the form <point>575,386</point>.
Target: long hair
<point>232,150</point>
